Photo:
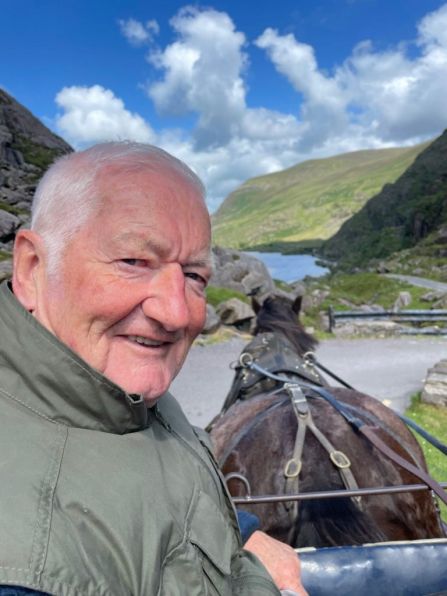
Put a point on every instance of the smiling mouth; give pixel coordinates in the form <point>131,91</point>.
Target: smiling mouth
<point>144,341</point>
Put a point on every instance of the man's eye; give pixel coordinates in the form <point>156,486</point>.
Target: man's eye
<point>196,277</point>
<point>134,262</point>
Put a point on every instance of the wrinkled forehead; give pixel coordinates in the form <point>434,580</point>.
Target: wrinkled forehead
<point>151,178</point>
<point>163,192</point>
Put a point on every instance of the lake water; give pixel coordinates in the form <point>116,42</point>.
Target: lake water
<point>289,268</point>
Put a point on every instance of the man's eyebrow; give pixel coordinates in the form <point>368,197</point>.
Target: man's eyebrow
<point>153,245</point>
<point>202,262</point>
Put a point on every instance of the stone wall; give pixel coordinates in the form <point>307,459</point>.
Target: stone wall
<point>435,386</point>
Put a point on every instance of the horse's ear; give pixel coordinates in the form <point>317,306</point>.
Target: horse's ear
<point>296,305</point>
<point>255,304</point>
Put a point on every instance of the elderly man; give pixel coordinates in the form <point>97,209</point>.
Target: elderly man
<point>105,488</point>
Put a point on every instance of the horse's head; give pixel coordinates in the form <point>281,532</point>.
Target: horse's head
<point>279,314</point>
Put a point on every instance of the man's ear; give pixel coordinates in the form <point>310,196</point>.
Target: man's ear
<point>29,266</point>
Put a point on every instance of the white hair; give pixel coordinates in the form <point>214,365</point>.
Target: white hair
<point>67,195</point>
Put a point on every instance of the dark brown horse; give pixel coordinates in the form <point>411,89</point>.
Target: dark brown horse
<point>256,436</point>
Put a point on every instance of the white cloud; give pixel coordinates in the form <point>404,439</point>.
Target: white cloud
<point>94,114</point>
<point>385,97</point>
<point>202,74</point>
<point>138,33</point>
<point>433,28</point>
<point>373,99</point>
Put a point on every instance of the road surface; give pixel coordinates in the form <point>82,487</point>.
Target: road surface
<point>390,369</point>
<point>422,282</point>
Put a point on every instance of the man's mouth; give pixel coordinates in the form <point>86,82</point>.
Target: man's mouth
<point>145,341</point>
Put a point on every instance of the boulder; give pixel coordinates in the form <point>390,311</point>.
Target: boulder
<point>435,386</point>
<point>314,299</point>
<point>5,270</point>
<point>441,302</point>
<point>235,312</point>
<point>212,322</point>
<point>403,300</point>
<point>241,272</point>
<point>8,225</point>
<point>432,296</point>
<point>441,235</point>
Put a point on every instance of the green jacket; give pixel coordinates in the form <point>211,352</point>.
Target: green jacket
<point>100,495</point>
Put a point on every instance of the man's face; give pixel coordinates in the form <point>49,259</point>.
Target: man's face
<point>129,298</point>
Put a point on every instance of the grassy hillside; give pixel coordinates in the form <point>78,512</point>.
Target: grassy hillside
<point>409,213</point>
<point>306,204</point>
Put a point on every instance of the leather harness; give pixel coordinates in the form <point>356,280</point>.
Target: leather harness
<point>274,353</point>
<point>293,466</point>
<point>270,363</point>
<point>270,352</point>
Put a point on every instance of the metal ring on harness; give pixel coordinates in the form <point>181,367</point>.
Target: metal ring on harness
<point>310,358</point>
<point>293,468</point>
<point>245,359</point>
<point>340,460</point>
<point>245,482</point>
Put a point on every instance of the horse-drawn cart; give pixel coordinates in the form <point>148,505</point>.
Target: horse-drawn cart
<point>328,470</point>
<point>407,568</point>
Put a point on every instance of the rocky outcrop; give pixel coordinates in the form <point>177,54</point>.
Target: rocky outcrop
<point>27,148</point>
<point>435,386</point>
<point>241,272</point>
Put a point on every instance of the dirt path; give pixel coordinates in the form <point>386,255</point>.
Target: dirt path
<point>390,369</point>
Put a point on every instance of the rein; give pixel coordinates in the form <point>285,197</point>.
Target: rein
<point>360,426</point>
<point>311,358</point>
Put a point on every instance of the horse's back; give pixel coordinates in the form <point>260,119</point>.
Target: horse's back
<point>257,437</point>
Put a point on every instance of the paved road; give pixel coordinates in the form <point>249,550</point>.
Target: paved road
<point>390,369</point>
<point>420,281</point>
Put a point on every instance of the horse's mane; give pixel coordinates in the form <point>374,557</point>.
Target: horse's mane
<point>277,314</point>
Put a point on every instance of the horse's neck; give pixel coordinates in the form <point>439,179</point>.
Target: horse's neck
<point>271,341</point>
<point>273,352</point>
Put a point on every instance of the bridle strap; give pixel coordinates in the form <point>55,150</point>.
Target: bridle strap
<point>304,418</point>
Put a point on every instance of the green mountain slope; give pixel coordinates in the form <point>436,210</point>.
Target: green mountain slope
<point>309,202</point>
<point>412,212</point>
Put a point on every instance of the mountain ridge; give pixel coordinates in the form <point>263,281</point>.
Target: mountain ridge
<point>27,148</point>
<point>410,213</point>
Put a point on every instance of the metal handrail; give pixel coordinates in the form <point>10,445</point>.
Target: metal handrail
<point>404,315</point>
<point>330,494</point>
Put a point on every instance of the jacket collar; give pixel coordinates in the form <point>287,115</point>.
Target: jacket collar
<point>44,375</point>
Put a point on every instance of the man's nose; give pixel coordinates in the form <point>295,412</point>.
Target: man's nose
<point>166,302</point>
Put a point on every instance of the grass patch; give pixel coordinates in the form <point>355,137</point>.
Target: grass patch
<point>372,288</point>
<point>221,335</point>
<point>36,154</point>
<point>282,285</point>
<point>12,209</point>
<point>216,295</point>
<point>288,248</point>
<point>350,290</point>
<point>434,420</point>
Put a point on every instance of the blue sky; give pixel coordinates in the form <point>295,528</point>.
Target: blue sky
<point>236,89</point>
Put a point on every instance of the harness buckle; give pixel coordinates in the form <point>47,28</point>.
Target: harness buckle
<point>339,459</point>
<point>293,468</point>
<point>298,399</point>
